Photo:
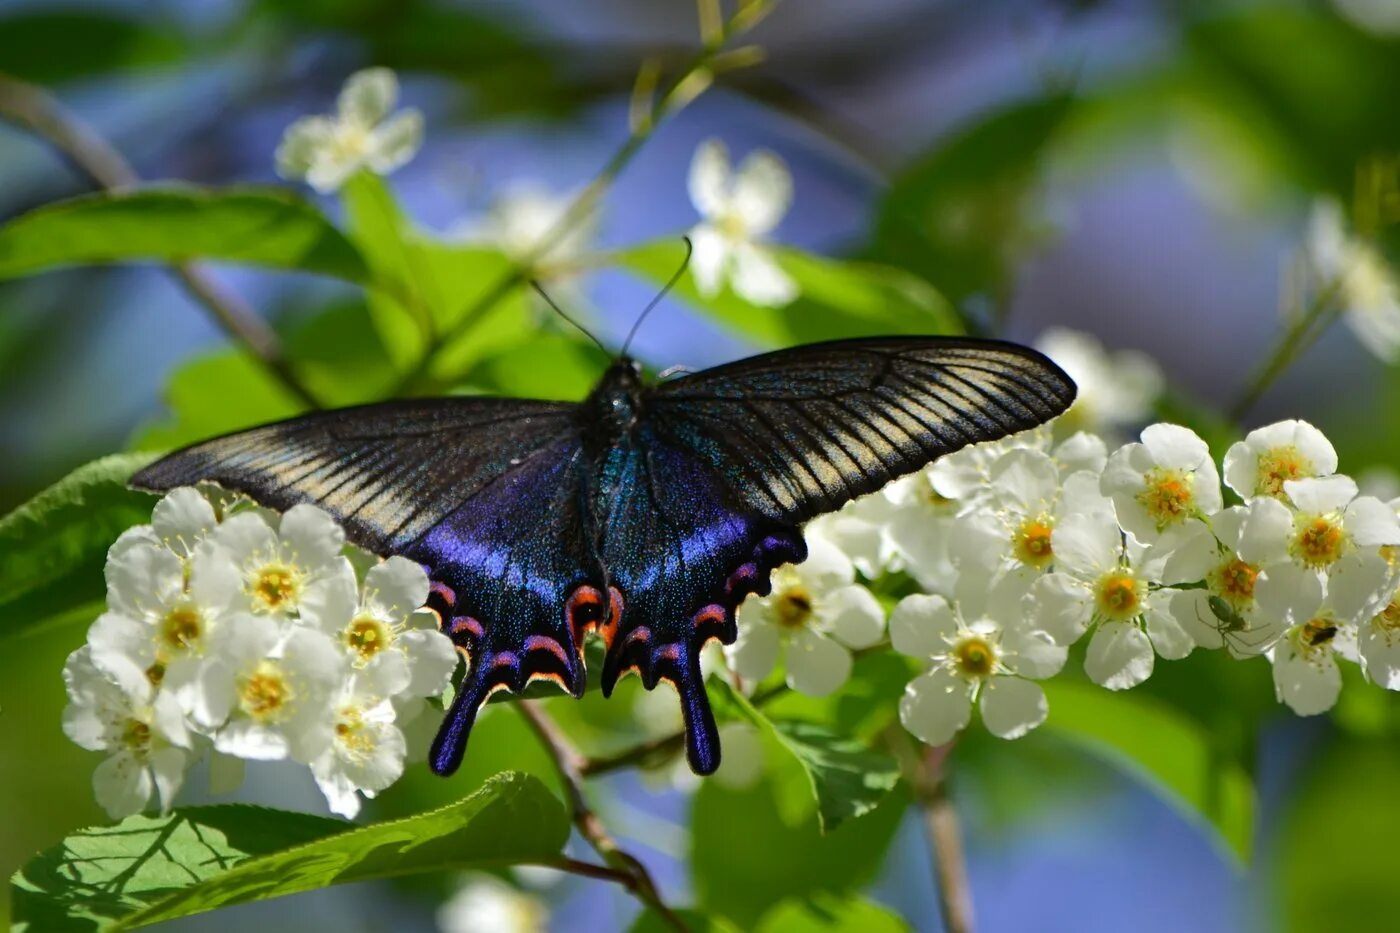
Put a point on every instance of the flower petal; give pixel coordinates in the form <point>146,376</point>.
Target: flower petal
<point>1119,656</point>
<point>312,538</point>
<point>1307,686</point>
<point>1321,494</point>
<point>1061,606</point>
<point>709,254</point>
<point>1011,707</point>
<point>396,587</point>
<point>1176,448</point>
<point>758,278</point>
<point>1372,523</point>
<point>708,181</point>
<point>395,141</point>
<point>182,518</point>
<point>1031,653</point>
<point>368,95</point>
<point>762,192</point>
<point>302,145</point>
<point>1169,638</point>
<point>852,615</point>
<point>121,785</point>
<point>936,706</point>
<point>920,625</point>
<point>755,652</point>
<point>816,665</point>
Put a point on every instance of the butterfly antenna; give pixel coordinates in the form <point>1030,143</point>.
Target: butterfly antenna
<point>560,311</point>
<point>670,283</point>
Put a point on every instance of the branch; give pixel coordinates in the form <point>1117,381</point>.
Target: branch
<point>624,866</point>
<point>33,109</point>
<point>1302,332</point>
<point>945,840</point>
<point>692,81</point>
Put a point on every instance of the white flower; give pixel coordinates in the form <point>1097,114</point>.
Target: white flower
<point>520,219</point>
<point>367,750</point>
<point>1269,456</point>
<point>1163,486</point>
<point>382,628</point>
<point>817,612</point>
<point>163,610</point>
<point>1324,624</point>
<point>142,730</point>
<point>1378,641</point>
<point>485,904</point>
<point>1104,582</point>
<point>986,661</point>
<point>297,568</point>
<point>327,151</point>
<point>1226,612</point>
<point>1366,287</point>
<point>182,519</point>
<point>861,530</point>
<point>738,209</point>
<point>1014,535</point>
<point>921,530</point>
<point>965,475</point>
<point>1116,391</point>
<point>267,694</point>
<point>1330,530</point>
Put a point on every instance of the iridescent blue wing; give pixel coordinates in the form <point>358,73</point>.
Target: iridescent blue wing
<point>484,492</point>
<point>727,463</point>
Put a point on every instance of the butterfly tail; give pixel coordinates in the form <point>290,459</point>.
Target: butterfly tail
<point>701,733</point>
<point>450,744</point>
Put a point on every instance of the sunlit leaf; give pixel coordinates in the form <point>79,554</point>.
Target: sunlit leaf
<point>52,542</point>
<point>149,869</point>
<point>830,914</point>
<point>1168,750</point>
<point>838,299</point>
<point>253,226</point>
<point>212,395</point>
<point>847,778</point>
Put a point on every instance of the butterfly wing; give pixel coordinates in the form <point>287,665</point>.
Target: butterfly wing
<point>483,491</point>
<point>727,463</point>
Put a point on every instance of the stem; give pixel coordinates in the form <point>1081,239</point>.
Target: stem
<point>569,763</point>
<point>949,861</point>
<point>1301,333</point>
<point>33,109</point>
<point>684,89</point>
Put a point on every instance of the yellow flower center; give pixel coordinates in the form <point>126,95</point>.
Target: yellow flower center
<point>265,693</point>
<point>1167,496</point>
<point>1234,581</point>
<point>275,587</point>
<point>1389,618</point>
<point>974,656</point>
<point>156,673</point>
<point>350,140</point>
<point>1032,543</point>
<point>351,734</point>
<point>136,735</point>
<point>793,608</point>
<point>1318,540</point>
<point>182,628</point>
<point>1118,595</point>
<point>367,636</point>
<point>1278,465</point>
<point>1315,633</point>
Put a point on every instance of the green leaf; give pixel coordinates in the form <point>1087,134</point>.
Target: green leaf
<point>53,542</point>
<point>212,395</point>
<point>50,46</point>
<point>255,226</point>
<point>432,288</point>
<point>826,913</point>
<point>1335,868</point>
<point>838,299</point>
<point>751,849</point>
<point>846,778</point>
<point>1171,752</point>
<point>150,869</point>
<point>957,214</point>
<point>696,921</point>
<point>545,366</point>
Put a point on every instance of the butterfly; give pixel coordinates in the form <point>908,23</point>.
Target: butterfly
<point>645,513</point>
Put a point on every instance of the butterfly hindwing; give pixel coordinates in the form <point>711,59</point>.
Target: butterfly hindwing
<point>726,464</point>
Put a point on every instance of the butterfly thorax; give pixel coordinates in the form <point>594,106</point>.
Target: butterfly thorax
<point>611,410</point>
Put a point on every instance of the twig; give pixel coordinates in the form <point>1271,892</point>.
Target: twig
<point>1301,333</point>
<point>569,762</point>
<point>945,840</point>
<point>35,110</point>
<point>691,82</point>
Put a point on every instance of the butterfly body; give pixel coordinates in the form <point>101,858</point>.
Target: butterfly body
<point>645,513</point>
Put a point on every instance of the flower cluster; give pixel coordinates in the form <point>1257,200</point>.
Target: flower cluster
<point>1022,547</point>
<point>242,635</point>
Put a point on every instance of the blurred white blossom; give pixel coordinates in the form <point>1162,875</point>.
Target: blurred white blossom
<point>738,209</point>
<point>326,151</point>
<point>1117,390</point>
<point>519,220</point>
<point>1365,286</point>
<point>486,904</point>
<point>1269,456</point>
